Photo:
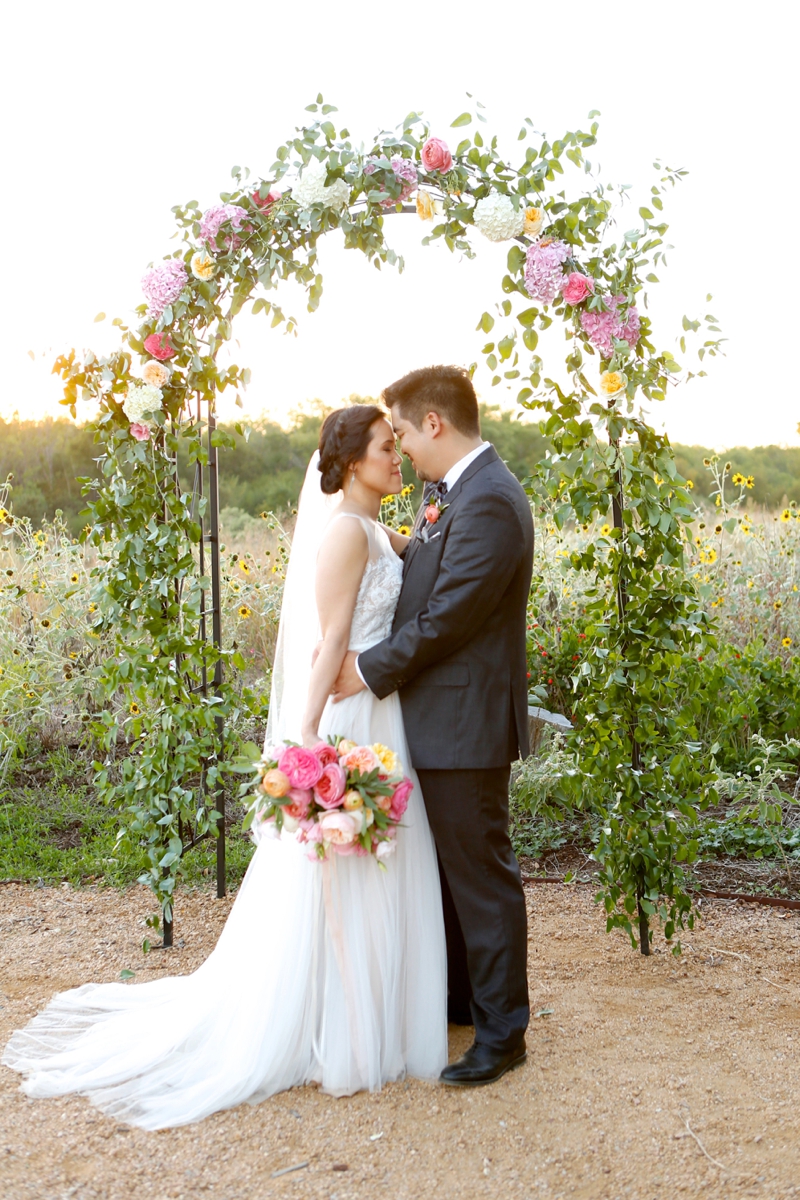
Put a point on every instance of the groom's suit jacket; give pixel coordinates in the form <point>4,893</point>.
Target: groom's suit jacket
<point>457,652</point>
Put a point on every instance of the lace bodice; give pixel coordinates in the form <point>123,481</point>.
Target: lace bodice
<point>379,591</point>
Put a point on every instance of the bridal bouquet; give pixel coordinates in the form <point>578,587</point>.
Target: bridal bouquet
<point>337,797</point>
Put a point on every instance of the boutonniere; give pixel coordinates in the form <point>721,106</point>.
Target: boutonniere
<point>433,511</point>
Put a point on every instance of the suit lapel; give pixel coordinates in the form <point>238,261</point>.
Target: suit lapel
<point>487,456</point>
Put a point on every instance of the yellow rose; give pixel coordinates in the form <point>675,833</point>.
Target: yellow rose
<point>203,266</point>
<point>155,373</point>
<point>534,220</point>
<point>424,205</point>
<point>352,800</point>
<point>387,758</point>
<point>612,383</point>
<point>275,783</point>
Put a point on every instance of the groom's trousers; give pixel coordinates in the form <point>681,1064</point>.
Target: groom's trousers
<point>468,815</point>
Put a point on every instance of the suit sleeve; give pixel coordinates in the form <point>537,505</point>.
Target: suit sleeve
<point>482,553</point>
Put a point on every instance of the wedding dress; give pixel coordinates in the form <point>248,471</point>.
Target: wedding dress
<point>332,972</point>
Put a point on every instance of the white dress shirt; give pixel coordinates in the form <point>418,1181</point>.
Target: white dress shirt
<point>451,478</point>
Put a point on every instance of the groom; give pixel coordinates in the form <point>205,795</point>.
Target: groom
<point>457,657</point>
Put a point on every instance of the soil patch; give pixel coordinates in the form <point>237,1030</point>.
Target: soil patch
<point>650,1077</point>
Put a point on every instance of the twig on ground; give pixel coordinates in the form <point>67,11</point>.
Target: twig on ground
<point>692,1133</point>
<point>731,953</point>
<point>774,984</point>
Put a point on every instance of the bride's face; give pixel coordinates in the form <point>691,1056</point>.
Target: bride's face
<point>379,469</point>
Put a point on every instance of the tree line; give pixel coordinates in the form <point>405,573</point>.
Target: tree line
<point>265,469</point>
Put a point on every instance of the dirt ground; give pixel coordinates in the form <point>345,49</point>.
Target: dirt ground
<point>651,1076</point>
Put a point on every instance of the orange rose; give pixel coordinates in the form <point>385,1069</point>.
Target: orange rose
<point>275,783</point>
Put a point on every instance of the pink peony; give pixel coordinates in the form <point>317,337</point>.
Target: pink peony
<point>543,269</point>
<point>159,345</point>
<point>436,155</point>
<point>339,828</point>
<point>400,799</point>
<point>330,787</point>
<point>362,759</point>
<point>406,173</point>
<point>301,799</point>
<point>140,431</point>
<point>215,217</point>
<point>326,753</point>
<point>301,766</point>
<point>577,287</point>
<point>353,847</point>
<point>267,201</point>
<point>162,285</point>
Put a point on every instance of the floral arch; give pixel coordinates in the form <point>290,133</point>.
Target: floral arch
<point>157,575</point>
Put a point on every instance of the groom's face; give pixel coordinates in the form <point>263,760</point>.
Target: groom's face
<point>420,446</point>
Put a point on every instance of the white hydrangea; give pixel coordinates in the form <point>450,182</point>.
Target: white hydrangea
<point>142,401</point>
<point>497,218</point>
<point>311,189</point>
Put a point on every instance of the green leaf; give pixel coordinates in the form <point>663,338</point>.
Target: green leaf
<point>126,974</point>
<point>464,119</point>
<point>101,316</point>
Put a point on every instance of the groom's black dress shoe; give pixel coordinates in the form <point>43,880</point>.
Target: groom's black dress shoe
<point>483,1064</point>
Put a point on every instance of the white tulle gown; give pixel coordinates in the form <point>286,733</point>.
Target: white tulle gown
<point>333,973</point>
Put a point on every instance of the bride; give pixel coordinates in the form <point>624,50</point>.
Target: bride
<point>331,973</point>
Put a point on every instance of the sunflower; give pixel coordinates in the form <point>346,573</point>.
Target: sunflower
<point>72,654</point>
<point>690,485</point>
<point>45,623</point>
<point>750,583</point>
<point>787,641</point>
<point>73,577</point>
<point>717,529</point>
<point>778,605</point>
<point>405,530</point>
<point>31,695</point>
<point>134,709</point>
<point>750,481</point>
<point>264,516</point>
<point>92,607</point>
<point>244,567</point>
<point>698,541</point>
<point>4,515</point>
<point>786,516</point>
<point>605,530</point>
<point>706,462</point>
<point>243,611</point>
<point>738,479</point>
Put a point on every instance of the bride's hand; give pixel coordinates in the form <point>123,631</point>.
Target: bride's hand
<point>310,738</point>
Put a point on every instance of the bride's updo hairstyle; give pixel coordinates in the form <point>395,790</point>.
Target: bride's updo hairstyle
<point>343,440</point>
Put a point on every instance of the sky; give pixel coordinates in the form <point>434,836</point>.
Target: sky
<point>121,111</point>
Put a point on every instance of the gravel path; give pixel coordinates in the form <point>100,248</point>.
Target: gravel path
<point>651,1077</point>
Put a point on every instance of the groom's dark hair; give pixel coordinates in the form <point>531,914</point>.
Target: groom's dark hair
<point>447,391</point>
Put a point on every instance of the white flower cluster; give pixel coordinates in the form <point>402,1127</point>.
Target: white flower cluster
<point>497,218</point>
<point>141,402</point>
<point>311,189</point>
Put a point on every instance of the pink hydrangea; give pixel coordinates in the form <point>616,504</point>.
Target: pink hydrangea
<point>404,170</point>
<point>544,272</point>
<point>631,330</point>
<point>602,327</point>
<point>162,285</point>
<point>301,766</point>
<point>215,217</point>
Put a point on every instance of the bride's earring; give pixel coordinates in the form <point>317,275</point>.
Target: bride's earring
<point>352,481</point>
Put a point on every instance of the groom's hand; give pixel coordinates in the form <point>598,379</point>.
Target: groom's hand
<point>349,681</point>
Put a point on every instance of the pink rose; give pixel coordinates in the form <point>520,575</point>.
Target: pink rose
<point>400,799</point>
<point>362,759</point>
<point>436,155</point>
<point>432,514</point>
<point>140,431</point>
<point>266,201</point>
<point>338,828</point>
<point>325,753</point>
<point>577,287</point>
<point>329,788</point>
<point>159,345</point>
<point>299,802</point>
<point>301,766</point>
<point>351,848</point>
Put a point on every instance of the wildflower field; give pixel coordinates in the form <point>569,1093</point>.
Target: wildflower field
<point>742,697</point>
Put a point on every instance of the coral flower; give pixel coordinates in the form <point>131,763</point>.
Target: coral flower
<point>155,373</point>
<point>140,431</point>
<point>159,345</point>
<point>436,156</point>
